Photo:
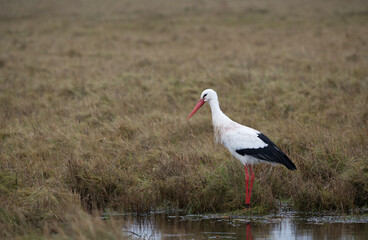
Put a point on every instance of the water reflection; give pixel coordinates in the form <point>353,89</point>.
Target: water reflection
<point>249,232</point>
<point>278,226</point>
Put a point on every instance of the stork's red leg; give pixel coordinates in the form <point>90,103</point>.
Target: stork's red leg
<point>251,181</point>
<point>247,198</point>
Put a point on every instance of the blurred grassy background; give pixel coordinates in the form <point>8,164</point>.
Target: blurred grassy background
<point>94,97</point>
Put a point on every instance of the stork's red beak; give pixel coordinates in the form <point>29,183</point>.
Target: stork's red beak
<point>199,104</point>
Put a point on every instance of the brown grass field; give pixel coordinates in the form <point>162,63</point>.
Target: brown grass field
<point>94,97</point>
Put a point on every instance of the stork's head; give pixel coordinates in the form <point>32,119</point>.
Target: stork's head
<point>207,96</point>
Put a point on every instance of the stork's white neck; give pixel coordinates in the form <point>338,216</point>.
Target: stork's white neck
<point>219,119</point>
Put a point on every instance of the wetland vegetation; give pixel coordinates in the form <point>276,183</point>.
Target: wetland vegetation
<point>94,97</point>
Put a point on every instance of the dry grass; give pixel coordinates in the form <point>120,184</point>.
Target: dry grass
<point>94,96</point>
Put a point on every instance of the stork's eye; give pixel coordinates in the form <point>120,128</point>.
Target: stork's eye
<point>204,95</point>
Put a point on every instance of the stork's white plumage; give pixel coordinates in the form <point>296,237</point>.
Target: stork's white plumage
<point>246,144</point>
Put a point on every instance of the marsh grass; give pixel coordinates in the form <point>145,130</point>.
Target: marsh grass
<point>93,102</point>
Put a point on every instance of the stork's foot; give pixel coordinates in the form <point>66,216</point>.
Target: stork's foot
<point>247,207</point>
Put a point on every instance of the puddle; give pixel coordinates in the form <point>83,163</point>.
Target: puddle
<point>283,225</point>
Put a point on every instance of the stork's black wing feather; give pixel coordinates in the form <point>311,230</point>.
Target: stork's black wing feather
<point>270,153</point>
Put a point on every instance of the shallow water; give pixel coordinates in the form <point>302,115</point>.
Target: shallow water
<point>283,225</point>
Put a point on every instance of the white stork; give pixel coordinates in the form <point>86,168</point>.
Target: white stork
<point>246,144</point>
